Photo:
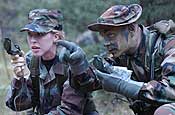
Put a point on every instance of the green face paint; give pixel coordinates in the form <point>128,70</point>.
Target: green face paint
<point>116,41</point>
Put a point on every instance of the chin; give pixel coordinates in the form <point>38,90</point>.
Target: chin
<point>37,54</point>
<point>116,54</point>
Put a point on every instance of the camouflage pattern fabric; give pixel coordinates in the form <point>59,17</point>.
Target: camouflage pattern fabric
<point>117,15</point>
<point>152,63</point>
<point>44,21</point>
<point>20,93</point>
<point>158,89</point>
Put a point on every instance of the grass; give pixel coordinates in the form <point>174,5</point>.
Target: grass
<point>107,104</point>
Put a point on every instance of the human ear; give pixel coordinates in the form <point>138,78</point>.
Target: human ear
<point>56,37</point>
<point>131,29</point>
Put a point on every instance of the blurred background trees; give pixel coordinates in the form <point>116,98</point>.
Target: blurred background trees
<point>77,14</point>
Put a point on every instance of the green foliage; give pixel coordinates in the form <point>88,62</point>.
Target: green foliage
<point>81,13</point>
<point>156,10</point>
<point>94,49</point>
<point>78,14</point>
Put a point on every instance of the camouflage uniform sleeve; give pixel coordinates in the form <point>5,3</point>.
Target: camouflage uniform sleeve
<point>163,91</point>
<point>19,94</point>
<point>85,82</point>
<point>76,102</point>
<point>76,98</point>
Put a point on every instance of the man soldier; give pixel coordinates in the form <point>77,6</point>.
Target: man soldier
<point>150,55</point>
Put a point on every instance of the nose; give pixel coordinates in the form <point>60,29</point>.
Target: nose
<point>110,45</point>
<point>33,39</point>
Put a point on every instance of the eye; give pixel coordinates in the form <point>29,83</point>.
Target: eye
<point>41,34</point>
<point>36,35</point>
<point>29,34</point>
<point>111,35</point>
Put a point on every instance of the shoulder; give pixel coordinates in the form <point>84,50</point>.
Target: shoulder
<point>148,33</point>
<point>169,42</point>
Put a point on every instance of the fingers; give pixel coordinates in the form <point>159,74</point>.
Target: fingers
<point>72,54</point>
<point>17,60</point>
<point>69,45</point>
<point>23,53</point>
<point>18,64</point>
<point>19,71</point>
<point>14,57</point>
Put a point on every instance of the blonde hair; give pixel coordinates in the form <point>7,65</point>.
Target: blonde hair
<point>60,33</point>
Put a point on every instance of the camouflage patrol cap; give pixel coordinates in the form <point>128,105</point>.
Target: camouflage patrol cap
<point>43,21</point>
<point>117,15</point>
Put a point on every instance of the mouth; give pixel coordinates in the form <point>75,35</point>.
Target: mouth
<point>35,47</point>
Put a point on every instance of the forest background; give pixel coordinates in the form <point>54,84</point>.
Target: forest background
<point>77,15</point>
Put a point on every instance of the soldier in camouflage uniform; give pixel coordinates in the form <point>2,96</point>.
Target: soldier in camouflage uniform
<point>149,54</point>
<point>53,95</point>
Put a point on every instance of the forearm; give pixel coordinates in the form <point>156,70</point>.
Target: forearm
<point>19,95</point>
<point>86,81</point>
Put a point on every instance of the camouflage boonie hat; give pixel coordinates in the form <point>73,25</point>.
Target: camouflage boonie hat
<point>117,15</point>
<point>43,21</point>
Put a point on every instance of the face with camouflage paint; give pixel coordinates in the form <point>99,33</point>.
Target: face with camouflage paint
<point>42,44</point>
<point>119,40</point>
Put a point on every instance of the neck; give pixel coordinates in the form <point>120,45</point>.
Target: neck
<point>50,54</point>
<point>137,40</point>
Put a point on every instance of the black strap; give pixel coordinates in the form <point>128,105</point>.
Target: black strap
<point>34,68</point>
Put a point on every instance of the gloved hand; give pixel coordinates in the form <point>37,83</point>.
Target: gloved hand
<point>74,56</point>
<point>112,83</point>
<point>101,64</point>
<point>19,66</point>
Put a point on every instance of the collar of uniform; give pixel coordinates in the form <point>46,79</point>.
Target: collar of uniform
<point>43,70</point>
<point>56,68</point>
<point>59,68</point>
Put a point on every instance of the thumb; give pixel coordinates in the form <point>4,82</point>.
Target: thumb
<point>64,55</point>
<point>68,45</point>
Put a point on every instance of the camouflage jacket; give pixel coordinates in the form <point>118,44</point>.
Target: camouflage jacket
<point>153,63</point>
<point>53,90</point>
